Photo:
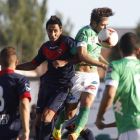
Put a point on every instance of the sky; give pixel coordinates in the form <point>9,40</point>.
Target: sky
<point>127,12</point>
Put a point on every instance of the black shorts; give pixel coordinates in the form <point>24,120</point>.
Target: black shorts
<point>51,97</point>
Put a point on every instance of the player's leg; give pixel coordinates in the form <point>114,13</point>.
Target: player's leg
<point>82,118</point>
<point>39,110</point>
<point>58,96</point>
<point>85,133</point>
<point>87,98</point>
<point>37,125</point>
<point>66,114</point>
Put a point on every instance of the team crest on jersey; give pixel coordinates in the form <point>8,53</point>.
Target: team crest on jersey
<point>81,37</point>
<point>28,88</point>
<point>93,40</point>
<point>110,69</point>
<point>59,50</point>
<point>70,96</point>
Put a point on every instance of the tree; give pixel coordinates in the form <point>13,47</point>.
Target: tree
<point>21,26</point>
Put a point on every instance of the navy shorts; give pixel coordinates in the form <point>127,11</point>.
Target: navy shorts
<point>51,97</point>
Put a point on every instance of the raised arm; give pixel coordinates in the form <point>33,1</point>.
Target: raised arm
<point>84,57</point>
<point>24,108</point>
<point>62,63</point>
<point>26,66</point>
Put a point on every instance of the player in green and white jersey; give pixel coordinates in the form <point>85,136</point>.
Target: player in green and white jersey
<point>86,79</point>
<point>123,89</point>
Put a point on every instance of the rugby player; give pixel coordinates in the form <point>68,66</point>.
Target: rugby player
<point>57,81</point>
<point>86,79</point>
<point>123,89</point>
<point>14,99</point>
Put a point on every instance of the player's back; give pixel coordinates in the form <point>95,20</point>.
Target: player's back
<point>13,87</point>
<point>127,99</point>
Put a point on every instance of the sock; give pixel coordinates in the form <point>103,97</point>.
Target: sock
<point>88,135</point>
<point>81,119</point>
<point>61,119</point>
<point>45,130</point>
<point>37,130</point>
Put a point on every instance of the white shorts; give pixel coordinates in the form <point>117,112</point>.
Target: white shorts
<point>83,82</point>
<point>130,135</point>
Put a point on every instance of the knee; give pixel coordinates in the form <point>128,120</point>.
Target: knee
<point>69,115</point>
<point>47,115</point>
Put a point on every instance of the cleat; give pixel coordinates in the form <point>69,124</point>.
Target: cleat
<point>56,134</point>
<point>73,136</point>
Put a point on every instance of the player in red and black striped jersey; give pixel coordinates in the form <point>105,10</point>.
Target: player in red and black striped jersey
<point>14,98</point>
<point>60,54</point>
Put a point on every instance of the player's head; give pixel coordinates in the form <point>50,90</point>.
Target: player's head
<point>8,58</point>
<point>129,44</point>
<point>54,29</point>
<point>99,18</point>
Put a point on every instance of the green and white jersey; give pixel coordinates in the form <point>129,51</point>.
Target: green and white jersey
<point>124,74</point>
<point>88,38</point>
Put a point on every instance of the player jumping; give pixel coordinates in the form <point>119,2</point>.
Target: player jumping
<point>86,79</point>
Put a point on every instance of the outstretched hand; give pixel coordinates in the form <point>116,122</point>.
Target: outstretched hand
<point>59,63</point>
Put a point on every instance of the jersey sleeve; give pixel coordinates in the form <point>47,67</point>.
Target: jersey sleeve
<point>82,40</point>
<point>71,45</point>
<point>112,76</point>
<point>24,88</point>
<point>39,58</point>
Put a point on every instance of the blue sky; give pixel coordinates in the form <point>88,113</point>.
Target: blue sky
<point>127,13</point>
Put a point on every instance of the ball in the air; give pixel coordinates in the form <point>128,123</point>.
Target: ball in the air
<point>108,37</point>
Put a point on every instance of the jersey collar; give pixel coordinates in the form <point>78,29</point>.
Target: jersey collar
<point>130,57</point>
<point>5,71</point>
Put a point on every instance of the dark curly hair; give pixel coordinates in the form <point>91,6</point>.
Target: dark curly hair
<point>54,20</point>
<point>98,13</point>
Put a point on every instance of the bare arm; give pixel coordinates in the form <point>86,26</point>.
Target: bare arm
<point>110,125</point>
<point>61,63</point>
<point>107,100</point>
<point>26,66</point>
<point>84,57</point>
<point>24,108</point>
<point>101,59</point>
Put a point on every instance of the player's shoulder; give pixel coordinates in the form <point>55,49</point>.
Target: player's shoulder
<point>18,77</point>
<point>86,29</point>
<point>117,65</point>
<point>66,38</point>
